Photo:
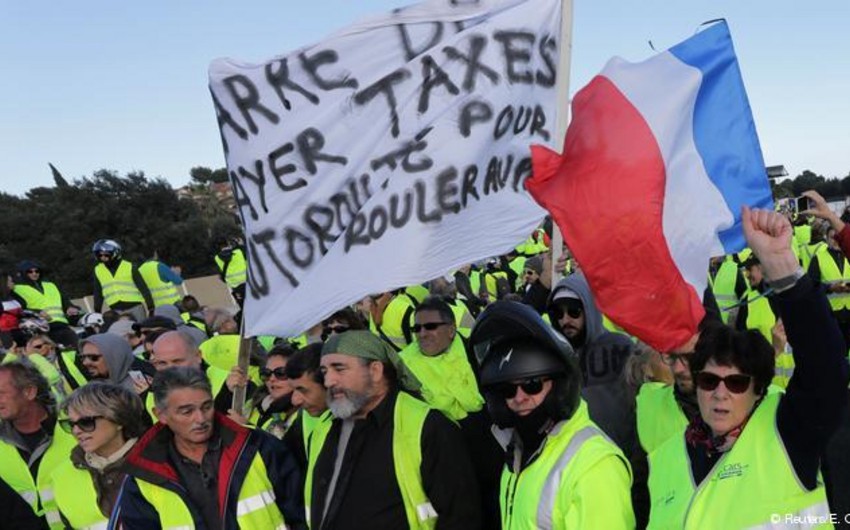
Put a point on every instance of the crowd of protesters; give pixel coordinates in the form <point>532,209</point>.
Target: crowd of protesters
<point>494,397</point>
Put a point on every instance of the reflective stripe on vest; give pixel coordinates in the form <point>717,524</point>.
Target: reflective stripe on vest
<point>37,492</point>
<point>255,505</point>
<point>545,493</point>
<point>118,288</point>
<point>408,418</point>
<point>237,269</point>
<point>726,497</point>
<point>49,300</point>
<point>163,293</point>
<point>553,479</point>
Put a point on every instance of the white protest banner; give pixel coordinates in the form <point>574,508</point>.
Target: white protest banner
<point>388,154</point>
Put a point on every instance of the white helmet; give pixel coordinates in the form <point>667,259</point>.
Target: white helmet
<point>91,320</point>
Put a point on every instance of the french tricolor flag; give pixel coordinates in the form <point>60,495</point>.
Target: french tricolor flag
<point>658,160</point>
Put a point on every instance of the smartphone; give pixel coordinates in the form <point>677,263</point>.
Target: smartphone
<point>801,204</point>
<point>138,377</point>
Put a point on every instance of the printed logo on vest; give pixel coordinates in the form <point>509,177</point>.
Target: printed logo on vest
<point>731,471</point>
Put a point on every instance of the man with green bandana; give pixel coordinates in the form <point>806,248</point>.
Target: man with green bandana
<point>387,460</point>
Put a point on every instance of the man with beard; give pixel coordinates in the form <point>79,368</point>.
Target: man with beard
<point>387,460</point>
<point>198,469</point>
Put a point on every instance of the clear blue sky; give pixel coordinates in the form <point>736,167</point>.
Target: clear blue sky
<point>123,85</point>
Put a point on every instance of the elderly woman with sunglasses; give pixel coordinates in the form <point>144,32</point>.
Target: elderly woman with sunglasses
<point>107,420</point>
<point>751,459</point>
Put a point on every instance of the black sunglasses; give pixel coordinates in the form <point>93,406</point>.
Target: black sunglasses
<point>86,423</point>
<point>33,271</point>
<point>573,308</point>
<point>335,329</point>
<point>735,383</point>
<point>279,373</point>
<point>430,326</point>
<point>91,357</point>
<point>531,387</point>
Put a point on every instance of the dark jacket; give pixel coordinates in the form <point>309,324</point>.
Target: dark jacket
<point>149,461</point>
<point>367,494</point>
<point>602,358</point>
<point>15,513</point>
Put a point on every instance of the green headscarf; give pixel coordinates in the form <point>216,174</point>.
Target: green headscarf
<point>363,344</point>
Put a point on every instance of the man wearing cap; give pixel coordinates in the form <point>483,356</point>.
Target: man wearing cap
<point>602,356</point>
<point>387,460</point>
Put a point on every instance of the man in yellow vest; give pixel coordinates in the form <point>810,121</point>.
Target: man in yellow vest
<point>176,348</point>
<point>563,471</point>
<point>388,460</point>
<point>757,308</point>
<point>232,268</point>
<point>31,443</point>
<point>830,267</point>
<point>308,394</point>
<point>198,469</point>
<point>38,295</point>
<point>118,283</point>
<point>440,360</point>
<point>162,282</point>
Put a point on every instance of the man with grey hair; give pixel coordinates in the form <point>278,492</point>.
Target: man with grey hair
<point>175,348</point>
<point>387,460</point>
<point>198,469</point>
<point>31,443</point>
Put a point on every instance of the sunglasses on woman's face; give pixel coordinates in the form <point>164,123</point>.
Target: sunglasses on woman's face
<point>86,423</point>
<point>278,373</point>
<point>531,387</point>
<point>735,383</point>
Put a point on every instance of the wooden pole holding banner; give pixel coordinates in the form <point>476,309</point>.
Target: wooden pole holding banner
<point>245,344</point>
<point>562,88</point>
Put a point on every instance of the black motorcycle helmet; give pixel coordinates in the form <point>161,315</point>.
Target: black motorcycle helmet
<point>511,343</point>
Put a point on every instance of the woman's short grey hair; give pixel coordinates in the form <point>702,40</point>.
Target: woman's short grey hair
<point>119,405</point>
<point>175,378</point>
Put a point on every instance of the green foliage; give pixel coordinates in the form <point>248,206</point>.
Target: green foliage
<point>57,226</point>
<point>830,188</point>
<point>205,175</point>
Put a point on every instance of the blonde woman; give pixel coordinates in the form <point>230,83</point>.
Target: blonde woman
<point>107,420</point>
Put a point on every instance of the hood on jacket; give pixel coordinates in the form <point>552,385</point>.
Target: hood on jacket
<point>577,283</point>
<point>118,355</point>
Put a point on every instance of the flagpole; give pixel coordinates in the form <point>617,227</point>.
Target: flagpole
<point>562,88</point>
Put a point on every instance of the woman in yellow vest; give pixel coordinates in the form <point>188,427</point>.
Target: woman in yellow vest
<point>272,408</point>
<point>562,471</point>
<point>751,459</point>
<point>106,420</point>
